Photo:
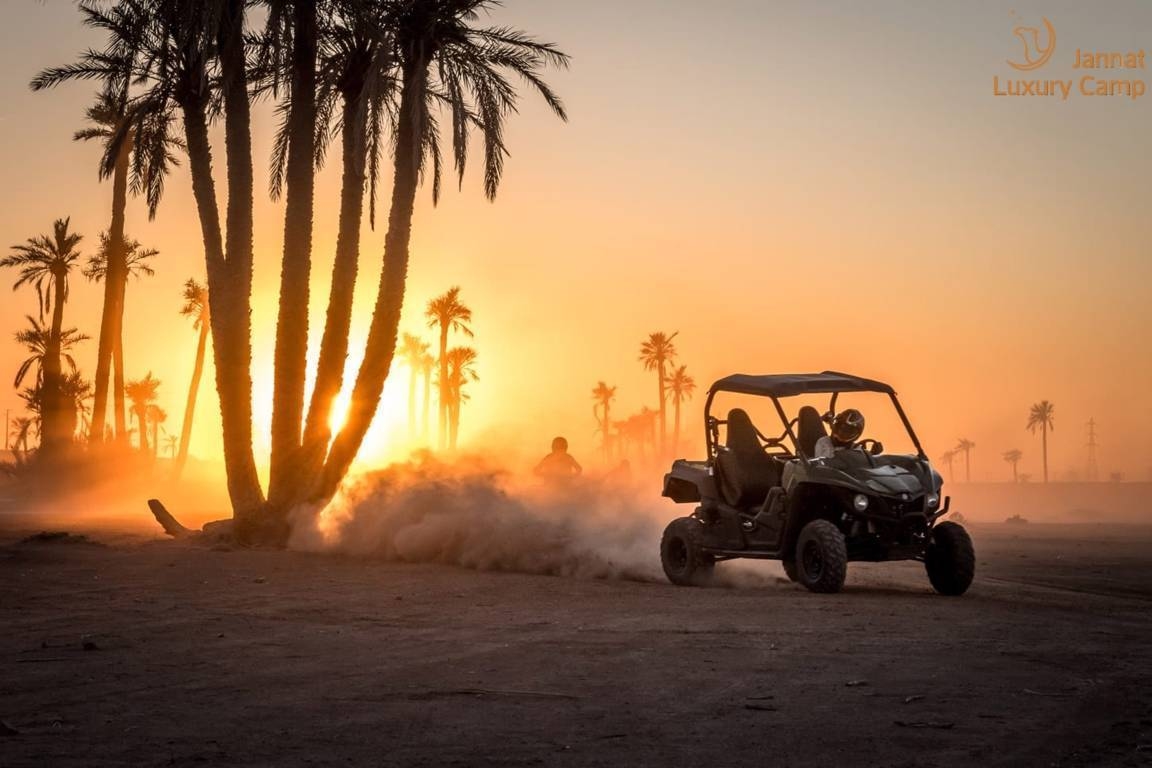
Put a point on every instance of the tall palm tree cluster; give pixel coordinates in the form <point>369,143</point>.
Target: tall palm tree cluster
<point>1040,419</point>
<point>405,82</point>
<point>57,395</point>
<point>648,427</point>
<point>445,314</point>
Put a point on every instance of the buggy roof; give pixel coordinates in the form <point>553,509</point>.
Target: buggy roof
<point>790,384</point>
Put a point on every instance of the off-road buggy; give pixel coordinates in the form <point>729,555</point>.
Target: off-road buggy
<point>771,498</point>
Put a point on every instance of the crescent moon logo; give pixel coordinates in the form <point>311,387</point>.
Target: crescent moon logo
<point>1035,55</point>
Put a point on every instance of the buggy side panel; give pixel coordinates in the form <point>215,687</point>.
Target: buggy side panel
<point>689,482</point>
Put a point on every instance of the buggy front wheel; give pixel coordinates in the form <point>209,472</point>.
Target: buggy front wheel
<point>950,559</point>
<point>821,557</point>
<point>682,555</point>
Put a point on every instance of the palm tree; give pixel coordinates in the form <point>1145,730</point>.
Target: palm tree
<point>427,365</point>
<point>461,370</point>
<point>76,391</point>
<point>356,77</point>
<point>22,427</point>
<point>447,312</point>
<point>130,260</point>
<point>1013,457</point>
<point>681,386</point>
<point>412,350</point>
<point>142,394</point>
<point>186,61</point>
<point>602,397</point>
<point>1042,417</point>
<point>172,445</point>
<point>108,121</point>
<point>965,446</point>
<point>299,21</point>
<point>45,263</point>
<point>444,60</point>
<point>195,307</point>
<point>655,352</point>
<point>37,339</point>
<point>946,459</point>
<point>156,417</point>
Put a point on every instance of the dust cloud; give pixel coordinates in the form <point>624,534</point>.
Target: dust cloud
<point>480,516</point>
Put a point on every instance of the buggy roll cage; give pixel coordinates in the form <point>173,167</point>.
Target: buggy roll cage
<point>778,386</point>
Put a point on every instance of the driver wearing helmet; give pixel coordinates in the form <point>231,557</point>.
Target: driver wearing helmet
<point>847,428</point>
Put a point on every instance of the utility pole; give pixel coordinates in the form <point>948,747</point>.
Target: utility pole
<point>1092,445</point>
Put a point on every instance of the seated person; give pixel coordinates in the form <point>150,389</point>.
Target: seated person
<point>847,428</point>
<point>559,464</point>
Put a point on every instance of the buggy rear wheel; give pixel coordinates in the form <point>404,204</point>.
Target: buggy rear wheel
<point>950,559</point>
<point>681,553</point>
<point>821,557</point>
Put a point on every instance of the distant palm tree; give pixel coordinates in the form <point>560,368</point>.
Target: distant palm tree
<point>965,446</point>
<point>946,459</point>
<point>1042,417</point>
<point>681,386</point>
<point>142,393</point>
<point>602,397</point>
<point>45,263</point>
<point>412,350</point>
<point>22,427</point>
<point>38,339</point>
<point>461,370</point>
<point>75,394</point>
<point>156,417</point>
<point>427,365</point>
<point>195,307</point>
<point>114,121</point>
<point>172,445</point>
<point>1013,457</point>
<point>447,312</point>
<point>132,261</point>
<point>656,351</point>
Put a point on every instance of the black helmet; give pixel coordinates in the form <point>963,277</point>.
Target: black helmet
<point>848,426</point>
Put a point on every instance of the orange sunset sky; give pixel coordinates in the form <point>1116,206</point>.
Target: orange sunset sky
<point>791,186</point>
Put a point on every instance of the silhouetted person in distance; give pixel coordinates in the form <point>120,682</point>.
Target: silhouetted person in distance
<point>847,428</point>
<point>558,465</point>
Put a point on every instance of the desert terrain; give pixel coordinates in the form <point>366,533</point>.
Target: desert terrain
<point>125,648</point>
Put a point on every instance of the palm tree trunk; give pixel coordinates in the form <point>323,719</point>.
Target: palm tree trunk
<point>190,406</point>
<point>51,408</point>
<point>675,422</point>
<point>142,423</point>
<point>1044,443</point>
<point>229,285</point>
<point>109,325</point>
<point>334,346</point>
<point>381,345</point>
<point>296,265</point>
<point>967,467</point>
<point>444,399</point>
<point>1015,473</point>
<point>663,416</point>
<point>121,415</point>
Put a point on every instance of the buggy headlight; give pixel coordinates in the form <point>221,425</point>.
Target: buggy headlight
<point>932,501</point>
<point>860,502</point>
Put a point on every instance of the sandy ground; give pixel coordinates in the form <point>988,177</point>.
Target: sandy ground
<point>146,652</point>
